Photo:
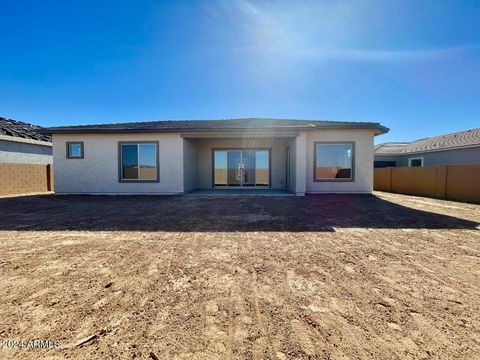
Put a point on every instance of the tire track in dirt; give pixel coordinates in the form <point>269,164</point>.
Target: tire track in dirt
<point>413,242</point>
<point>440,322</point>
<point>262,344</point>
<point>347,291</point>
<point>357,293</point>
<point>231,326</point>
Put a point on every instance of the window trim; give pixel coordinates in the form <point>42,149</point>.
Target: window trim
<point>415,158</point>
<point>352,143</point>
<point>120,179</point>
<point>68,143</point>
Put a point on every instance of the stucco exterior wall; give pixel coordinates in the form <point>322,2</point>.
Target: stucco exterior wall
<point>363,159</point>
<point>385,158</point>
<point>24,153</point>
<point>301,164</point>
<point>190,165</point>
<point>292,179</point>
<point>97,172</point>
<point>277,161</point>
<point>448,157</point>
<point>186,163</point>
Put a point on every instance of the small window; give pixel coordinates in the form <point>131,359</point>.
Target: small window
<point>333,161</point>
<point>415,162</point>
<point>74,150</point>
<point>138,162</point>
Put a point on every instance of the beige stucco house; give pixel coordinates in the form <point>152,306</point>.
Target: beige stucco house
<point>177,157</point>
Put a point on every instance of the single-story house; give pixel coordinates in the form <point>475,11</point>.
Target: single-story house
<point>176,157</point>
<point>460,148</point>
<point>22,143</point>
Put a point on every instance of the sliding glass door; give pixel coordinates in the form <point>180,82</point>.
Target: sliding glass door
<point>262,168</point>
<point>248,168</point>
<point>241,168</point>
<point>234,168</point>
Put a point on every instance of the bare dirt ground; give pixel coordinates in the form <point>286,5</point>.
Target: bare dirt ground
<point>321,277</point>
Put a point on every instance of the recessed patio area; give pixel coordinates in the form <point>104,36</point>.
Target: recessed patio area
<point>226,164</point>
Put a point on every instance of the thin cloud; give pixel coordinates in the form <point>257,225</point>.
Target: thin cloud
<point>274,31</point>
<point>380,55</point>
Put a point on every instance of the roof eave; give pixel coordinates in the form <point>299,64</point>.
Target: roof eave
<point>378,129</point>
<point>25,140</point>
<point>381,130</point>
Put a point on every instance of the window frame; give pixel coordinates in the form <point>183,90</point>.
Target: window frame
<point>120,178</point>
<point>351,178</point>
<point>415,158</point>
<point>68,143</point>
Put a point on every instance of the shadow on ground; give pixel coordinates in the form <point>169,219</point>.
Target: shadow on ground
<point>183,213</point>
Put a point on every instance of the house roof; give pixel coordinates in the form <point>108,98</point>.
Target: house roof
<point>392,148</point>
<point>216,125</point>
<point>458,140</point>
<point>22,130</point>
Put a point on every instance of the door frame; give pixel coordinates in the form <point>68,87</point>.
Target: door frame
<point>287,166</point>
<point>269,149</point>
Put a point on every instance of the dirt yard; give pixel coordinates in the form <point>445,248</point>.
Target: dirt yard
<point>321,277</point>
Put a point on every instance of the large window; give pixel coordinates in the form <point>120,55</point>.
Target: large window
<point>138,161</point>
<point>333,161</point>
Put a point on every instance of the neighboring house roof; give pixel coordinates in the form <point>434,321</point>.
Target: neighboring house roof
<point>458,140</point>
<point>392,148</point>
<point>14,130</point>
<point>216,125</point>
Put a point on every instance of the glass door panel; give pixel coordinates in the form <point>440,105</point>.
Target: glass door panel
<point>262,167</point>
<point>220,169</point>
<point>234,159</point>
<point>241,168</point>
<point>248,168</point>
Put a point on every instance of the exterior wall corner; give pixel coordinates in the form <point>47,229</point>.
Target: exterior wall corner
<point>301,163</point>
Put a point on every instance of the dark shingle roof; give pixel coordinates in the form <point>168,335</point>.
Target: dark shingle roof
<point>461,139</point>
<point>23,130</point>
<point>215,125</point>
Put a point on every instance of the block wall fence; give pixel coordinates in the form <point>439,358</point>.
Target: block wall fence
<point>452,182</point>
<point>25,178</point>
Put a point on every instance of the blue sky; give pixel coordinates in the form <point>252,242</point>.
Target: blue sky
<point>414,66</point>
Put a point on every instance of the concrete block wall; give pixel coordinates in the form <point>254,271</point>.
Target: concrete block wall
<point>25,178</point>
<point>453,182</point>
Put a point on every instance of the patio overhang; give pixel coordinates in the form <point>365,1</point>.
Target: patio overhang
<point>241,134</point>
<point>234,161</point>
